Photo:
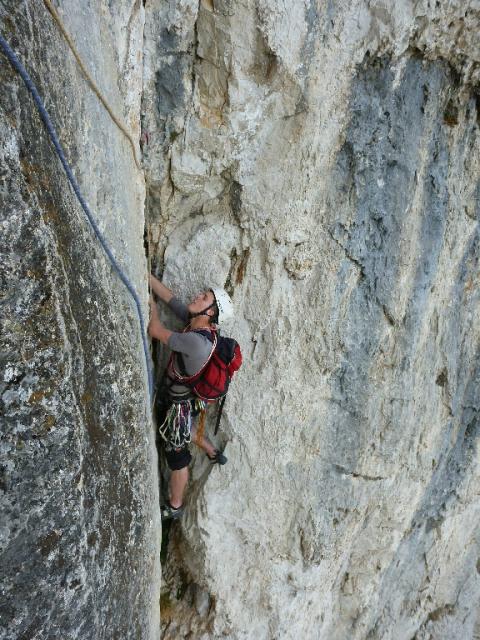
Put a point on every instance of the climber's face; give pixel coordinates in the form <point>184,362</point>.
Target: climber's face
<point>201,302</point>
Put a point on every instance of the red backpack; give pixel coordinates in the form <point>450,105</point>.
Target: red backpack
<point>212,381</point>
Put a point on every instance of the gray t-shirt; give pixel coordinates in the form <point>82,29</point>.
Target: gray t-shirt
<point>194,348</point>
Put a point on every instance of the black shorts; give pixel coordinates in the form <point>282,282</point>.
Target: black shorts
<point>178,458</point>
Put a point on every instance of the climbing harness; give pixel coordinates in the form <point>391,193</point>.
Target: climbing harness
<point>177,426</point>
<point>90,80</point>
<point>211,383</point>
<point>17,65</point>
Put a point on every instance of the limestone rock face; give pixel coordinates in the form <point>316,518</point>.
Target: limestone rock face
<point>79,531</point>
<point>321,161</point>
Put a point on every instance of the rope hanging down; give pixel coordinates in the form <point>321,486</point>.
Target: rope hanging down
<point>15,62</point>
<point>90,80</point>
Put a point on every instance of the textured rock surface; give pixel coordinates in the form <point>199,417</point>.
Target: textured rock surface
<point>322,161</point>
<point>79,531</point>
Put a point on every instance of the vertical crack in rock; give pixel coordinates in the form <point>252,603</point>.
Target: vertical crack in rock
<point>322,163</point>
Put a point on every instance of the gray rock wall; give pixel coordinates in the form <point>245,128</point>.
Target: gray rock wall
<point>79,533</point>
<point>321,160</point>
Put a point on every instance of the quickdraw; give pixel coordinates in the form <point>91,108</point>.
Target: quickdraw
<point>176,429</point>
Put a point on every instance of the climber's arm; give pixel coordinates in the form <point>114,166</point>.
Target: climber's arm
<point>160,289</point>
<point>179,308</point>
<point>155,327</point>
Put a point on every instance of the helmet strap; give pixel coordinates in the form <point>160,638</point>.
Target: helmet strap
<point>203,312</point>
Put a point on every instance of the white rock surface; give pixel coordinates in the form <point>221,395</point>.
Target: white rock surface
<point>322,161</point>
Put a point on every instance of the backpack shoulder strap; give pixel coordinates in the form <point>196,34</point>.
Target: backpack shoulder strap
<point>211,334</point>
<point>181,376</point>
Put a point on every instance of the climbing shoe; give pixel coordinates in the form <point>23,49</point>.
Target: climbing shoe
<point>218,458</point>
<point>171,513</point>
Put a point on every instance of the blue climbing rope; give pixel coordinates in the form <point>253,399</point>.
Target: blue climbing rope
<point>15,62</point>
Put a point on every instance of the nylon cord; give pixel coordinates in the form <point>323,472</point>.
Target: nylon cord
<point>17,65</point>
<point>90,80</point>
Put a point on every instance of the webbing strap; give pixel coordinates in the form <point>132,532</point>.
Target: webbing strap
<point>17,65</point>
<point>183,379</point>
<point>219,414</point>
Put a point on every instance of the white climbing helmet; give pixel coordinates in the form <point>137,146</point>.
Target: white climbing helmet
<point>224,304</point>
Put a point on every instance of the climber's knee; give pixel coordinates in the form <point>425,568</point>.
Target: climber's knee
<point>178,458</point>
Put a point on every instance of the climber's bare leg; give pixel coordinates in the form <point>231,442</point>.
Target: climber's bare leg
<point>178,482</point>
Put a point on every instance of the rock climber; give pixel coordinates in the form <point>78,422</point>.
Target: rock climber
<point>177,417</point>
